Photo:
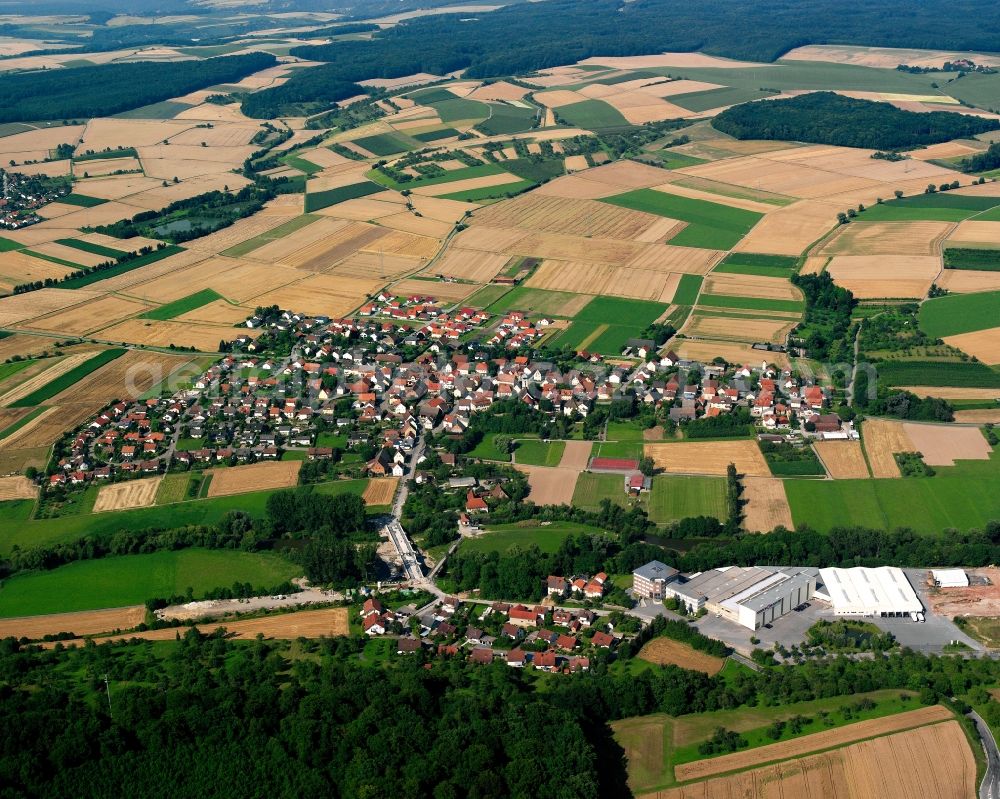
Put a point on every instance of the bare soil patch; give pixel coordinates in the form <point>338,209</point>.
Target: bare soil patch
<point>550,485</point>
<point>942,445</point>
<point>666,651</point>
<point>576,455</point>
<point>978,601</point>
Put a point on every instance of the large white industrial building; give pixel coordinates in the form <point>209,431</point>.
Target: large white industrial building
<point>879,592</point>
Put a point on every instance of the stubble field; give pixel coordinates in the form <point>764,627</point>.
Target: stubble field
<point>253,477</point>
<point>130,494</point>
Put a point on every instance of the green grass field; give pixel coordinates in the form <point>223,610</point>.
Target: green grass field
<point>166,109</point>
<point>6,245</point>
<point>716,98</point>
<point>487,296</point>
<point>274,234</point>
<point>710,225</point>
<point>983,260</point>
<point>383,144</point>
<point>940,206</point>
<point>486,449</point>
<point>173,488</point>
<point>938,373</point>
<point>749,303</point>
<point>435,135</point>
<point>592,115</point>
<point>960,313</point>
<point>639,313</point>
<point>687,289</point>
<point>535,301</point>
<point>617,449</point>
<point>671,498</point>
<point>183,305</point>
<point>548,538</point>
<point>961,496</point>
<point>316,201</point>
<point>16,510</point>
<point>82,281</point>
<point>69,379</point>
<point>506,119</point>
<point>539,453</point>
<point>81,200</point>
<point>306,167</point>
<point>672,160</point>
<point>763,265</point>
<point>675,498</point>
<point>463,173</point>
<point>490,192</point>
<point>132,579</point>
<point>94,249</point>
<point>13,428</point>
<point>457,109</point>
<point>10,369</point>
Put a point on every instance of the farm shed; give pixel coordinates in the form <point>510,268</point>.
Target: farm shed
<point>878,592</point>
<point>950,578</point>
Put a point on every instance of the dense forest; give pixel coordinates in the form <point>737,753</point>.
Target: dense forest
<point>86,92</point>
<point>210,717</point>
<point>531,36</point>
<point>983,162</point>
<point>829,118</point>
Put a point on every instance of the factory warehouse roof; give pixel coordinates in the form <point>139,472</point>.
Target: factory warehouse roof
<point>951,578</point>
<point>870,592</point>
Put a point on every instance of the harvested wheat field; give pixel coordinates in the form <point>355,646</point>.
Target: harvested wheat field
<point>953,392</point>
<point>942,445</point>
<point>219,312</point>
<point>19,267</point>
<point>667,652</point>
<point>37,303</point>
<point>262,476</point>
<point>766,505</point>
<point>88,316</point>
<point>449,292</point>
<point>708,457</point>
<point>576,455</point>
<point>682,260</point>
<point>87,622</point>
<point>281,626</point>
<point>771,173</point>
<point>882,438</point>
<point>575,217</point>
<point>130,494</point>
<point>155,333</point>
<point>322,294</point>
<point>480,267</point>
<point>967,281</point>
<point>973,232</point>
<point>643,284</point>
<point>126,377</point>
<point>773,288</point>
<point>565,247</point>
<point>983,344</point>
<point>828,739</point>
<point>732,352</point>
<point>488,239</point>
<point>736,329</point>
<point>844,460</point>
<point>927,761</point>
<point>381,491</point>
<point>888,238</point>
<point>550,485</point>
<point>17,488</point>
<point>370,264</point>
<point>469,184</point>
<point>790,230</point>
<point>980,416</point>
<point>56,368</point>
<point>878,276</point>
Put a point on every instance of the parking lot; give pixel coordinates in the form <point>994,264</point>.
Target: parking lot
<point>788,630</point>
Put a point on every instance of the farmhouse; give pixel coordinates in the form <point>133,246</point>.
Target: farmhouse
<point>750,597</point>
<point>876,592</point>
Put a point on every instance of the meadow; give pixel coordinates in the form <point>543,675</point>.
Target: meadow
<point>318,200</point>
<point>961,374</point>
<point>183,305</point>
<point>960,313</point>
<point>710,225</point>
<point>548,538</point>
<point>939,206</point>
<point>762,265</point>
<point>688,289</point>
<point>539,453</point>
<point>592,115</point>
<point>383,144</point>
<point>749,303</point>
<point>132,579</point>
<point>961,496</point>
<point>70,378</point>
<point>671,498</point>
